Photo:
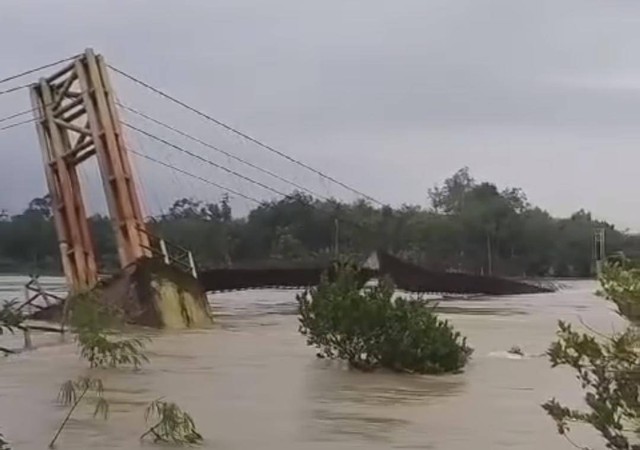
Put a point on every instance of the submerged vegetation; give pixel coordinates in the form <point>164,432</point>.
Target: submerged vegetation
<point>10,317</point>
<point>468,225</point>
<point>170,424</point>
<point>98,329</point>
<point>103,351</point>
<point>10,320</point>
<point>73,392</point>
<point>99,344</point>
<point>95,325</point>
<point>370,328</point>
<point>515,350</point>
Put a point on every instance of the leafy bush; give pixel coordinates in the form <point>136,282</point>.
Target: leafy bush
<point>607,367</point>
<point>620,283</point>
<point>89,311</point>
<point>10,317</point>
<point>609,371</point>
<point>369,328</point>
<point>103,351</point>
<point>93,322</point>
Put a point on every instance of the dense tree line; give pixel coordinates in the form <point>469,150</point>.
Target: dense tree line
<point>469,226</point>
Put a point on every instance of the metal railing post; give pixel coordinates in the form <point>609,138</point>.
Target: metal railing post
<point>165,253</point>
<point>192,264</point>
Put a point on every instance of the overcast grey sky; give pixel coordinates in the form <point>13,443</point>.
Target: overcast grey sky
<point>391,96</point>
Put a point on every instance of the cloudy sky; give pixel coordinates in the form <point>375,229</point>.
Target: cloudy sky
<point>390,96</point>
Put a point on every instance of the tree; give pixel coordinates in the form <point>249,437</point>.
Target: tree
<point>41,207</point>
<point>490,219</point>
<point>472,226</point>
<point>186,208</point>
<point>450,198</point>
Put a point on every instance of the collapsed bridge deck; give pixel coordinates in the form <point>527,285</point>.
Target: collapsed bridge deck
<point>406,276</point>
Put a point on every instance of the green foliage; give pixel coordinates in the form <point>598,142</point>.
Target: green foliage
<point>608,367</point>
<point>98,344</point>
<point>369,328</point>
<point>87,313</point>
<point>620,283</point>
<point>608,370</point>
<point>170,424</point>
<point>101,350</point>
<point>468,223</point>
<point>93,322</point>
<point>73,392</point>
<point>29,238</point>
<point>10,317</point>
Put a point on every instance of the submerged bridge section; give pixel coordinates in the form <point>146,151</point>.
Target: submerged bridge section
<point>405,275</point>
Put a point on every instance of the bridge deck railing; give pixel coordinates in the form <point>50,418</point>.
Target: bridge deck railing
<point>172,254</point>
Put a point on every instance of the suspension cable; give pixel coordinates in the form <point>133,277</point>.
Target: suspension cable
<point>17,124</point>
<point>219,186</point>
<point>15,88</point>
<point>208,161</point>
<point>177,169</point>
<point>219,150</point>
<point>18,114</point>
<point>224,188</point>
<point>244,135</point>
<point>36,69</point>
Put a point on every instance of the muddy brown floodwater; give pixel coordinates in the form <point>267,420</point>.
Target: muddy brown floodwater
<point>250,382</point>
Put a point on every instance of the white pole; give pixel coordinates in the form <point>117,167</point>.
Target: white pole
<point>192,263</point>
<point>165,253</point>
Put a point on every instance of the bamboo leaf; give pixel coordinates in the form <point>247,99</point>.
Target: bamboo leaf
<point>169,424</point>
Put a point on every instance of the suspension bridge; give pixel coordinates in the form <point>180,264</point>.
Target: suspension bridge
<point>79,120</point>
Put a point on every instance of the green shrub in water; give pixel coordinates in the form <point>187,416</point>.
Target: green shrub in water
<point>171,425</point>
<point>73,392</point>
<point>10,317</point>
<point>369,328</point>
<point>94,324</point>
<point>10,320</point>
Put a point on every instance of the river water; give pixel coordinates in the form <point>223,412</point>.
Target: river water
<point>251,382</point>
